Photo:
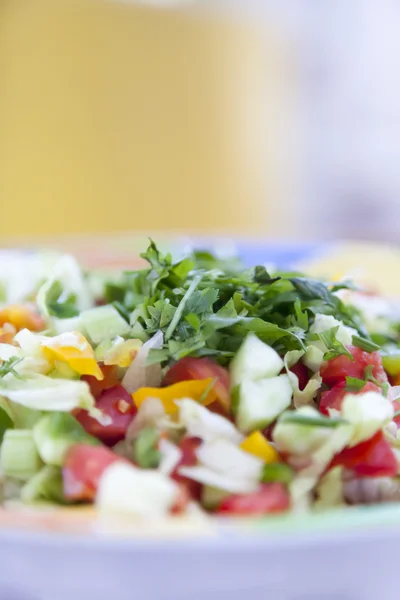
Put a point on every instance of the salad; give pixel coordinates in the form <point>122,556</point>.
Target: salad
<point>197,385</point>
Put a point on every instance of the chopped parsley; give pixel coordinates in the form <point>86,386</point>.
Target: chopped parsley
<point>206,306</point>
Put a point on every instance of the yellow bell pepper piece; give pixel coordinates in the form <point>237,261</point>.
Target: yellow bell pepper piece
<point>22,316</point>
<point>195,389</point>
<point>123,353</point>
<point>75,350</point>
<point>258,445</point>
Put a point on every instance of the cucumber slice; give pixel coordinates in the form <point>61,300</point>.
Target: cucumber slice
<point>261,402</point>
<point>19,457</point>
<point>254,360</point>
<point>103,322</point>
<point>55,433</point>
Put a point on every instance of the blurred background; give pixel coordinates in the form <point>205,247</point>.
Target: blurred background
<point>254,117</point>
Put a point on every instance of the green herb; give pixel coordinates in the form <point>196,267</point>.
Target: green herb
<point>146,454</point>
<point>122,310</point>
<point>59,304</point>
<point>8,366</point>
<point>364,344</point>
<point>354,385</point>
<point>277,472</point>
<point>311,289</point>
<point>5,423</point>
<point>295,418</point>
<point>181,307</point>
<point>335,347</point>
<point>300,318</point>
<point>369,376</point>
<point>262,276</point>
<point>208,389</point>
<point>194,321</point>
<point>206,306</point>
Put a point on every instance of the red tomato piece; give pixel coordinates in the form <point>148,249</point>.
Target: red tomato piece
<point>188,447</point>
<point>201,368</point>
<point>110,373</point>
<point>117,404</point>
<point>338,368</point>
<point>269,498</point>
<point>372,458</point>
<point>83,467</point>
<point>396,407</point>
<point>334,398</point>
<point>182,500</point>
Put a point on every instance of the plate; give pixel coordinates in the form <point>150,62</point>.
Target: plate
<point>65,554</point>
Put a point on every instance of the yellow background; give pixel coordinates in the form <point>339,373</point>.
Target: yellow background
<point>117,117</point>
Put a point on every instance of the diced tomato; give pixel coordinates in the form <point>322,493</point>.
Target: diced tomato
<point>396,407</point>
<point>201,368</point>
<point>302,374</point>
<point>188,447</point>
<point>337,369</point>
<point>269,498</point>
<point>334,398</point>
<point>110,373</point>
<point>372,458</point>
<point>83,467</point>
<point>117,404</point>
<point>182,500</point>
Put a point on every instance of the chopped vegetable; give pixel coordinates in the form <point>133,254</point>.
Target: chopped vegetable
<point>270,498</point>
<point>117,409</point>
<point>82,469</point>
<point>55,432</point>
<point>19,457</point>
<point>257,444</point>
<point>200,390</point>
<point>73,349</point>
<point>195,384</point>
<point>261,402</point>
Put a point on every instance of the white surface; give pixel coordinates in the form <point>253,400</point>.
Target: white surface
<point>346,567</point>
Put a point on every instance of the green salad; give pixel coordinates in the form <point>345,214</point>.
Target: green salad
<point>196,385</point>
